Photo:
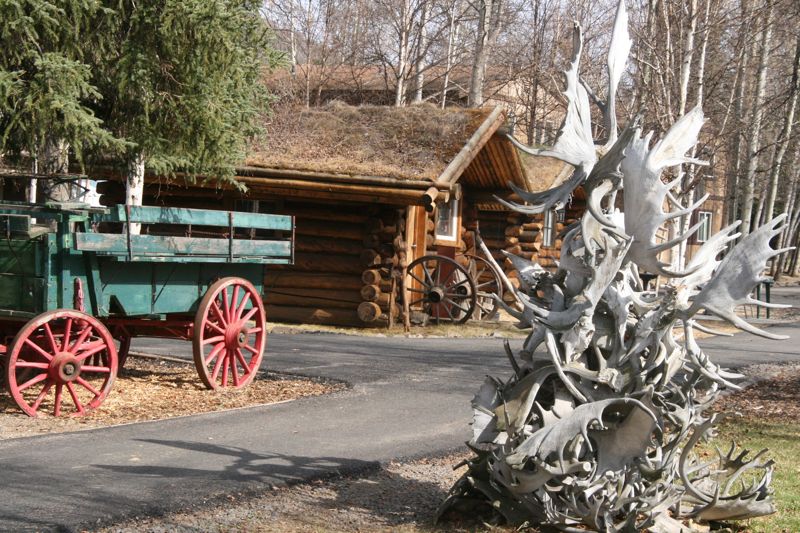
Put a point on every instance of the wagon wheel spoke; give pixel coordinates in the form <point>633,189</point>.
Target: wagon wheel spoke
<point>50,337</point>
<point>215,327</point>
<point>254,330</point>
<point>418,291</point>
<point>97,369</point>
<point>415,302</point>
<point>234,372</point>
<point>57,401</point>
<point>243,305</point>
<point>234,303</point>
<point>430,282</point>
<point>225,368</point>
<point>214,353</point>
<point>250,349</point>
<point>218,338</point>
<point>88,386</point>
<point>453,303</point>
<point>91,349</point>
<point>78,405</point>
<point>223,304</point>
<point>414,276</point>
<point>82,336</point>
<point>29,342</point>
<point>242,361</point>
<point>33,381</point>
<point>42,394</point>
<point>217,366</point>
<point>67,334</point>
<point>249,314</point>
<point>30,364</point>
<point>217,311</point>
<point>460,283</point>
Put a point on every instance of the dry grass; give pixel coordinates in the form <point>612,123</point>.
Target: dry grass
<point>412,142</point>
<point>155,389</point>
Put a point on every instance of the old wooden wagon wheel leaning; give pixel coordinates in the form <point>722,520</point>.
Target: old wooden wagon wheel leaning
<point>487,285</point>
<point>443,288</point>
<point>63,362</point>
<point>229,334</point>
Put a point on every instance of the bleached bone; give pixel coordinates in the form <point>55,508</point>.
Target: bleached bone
<point>645,193</point>
<point>738,274</point>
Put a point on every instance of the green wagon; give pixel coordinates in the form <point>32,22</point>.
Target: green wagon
<point>76,285</point>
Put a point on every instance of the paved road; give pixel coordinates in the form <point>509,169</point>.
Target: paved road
<point>409,397</point>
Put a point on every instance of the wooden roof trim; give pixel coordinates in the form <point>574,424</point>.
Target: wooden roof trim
<point>456,168</point>
<point>257,171</point>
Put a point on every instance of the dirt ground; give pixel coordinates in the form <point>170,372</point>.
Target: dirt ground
<point>403,496</point>
<point>154,389</point>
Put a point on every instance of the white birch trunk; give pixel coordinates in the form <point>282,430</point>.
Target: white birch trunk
<point>785,136</point>
<point>422,52</point>
<point>134,187</point>
<point>755,130</point>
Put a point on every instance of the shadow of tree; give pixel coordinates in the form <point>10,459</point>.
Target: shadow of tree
<point>245,465</point>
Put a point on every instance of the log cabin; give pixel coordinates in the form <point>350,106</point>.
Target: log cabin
<point>373,188</point>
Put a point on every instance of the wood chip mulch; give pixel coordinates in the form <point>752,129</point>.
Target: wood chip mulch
<point>155,389</point>
<point>776,398</point>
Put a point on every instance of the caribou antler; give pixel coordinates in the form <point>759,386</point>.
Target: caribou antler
<point>738,275</point>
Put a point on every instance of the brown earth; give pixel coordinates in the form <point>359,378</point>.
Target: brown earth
<point>155,389</point>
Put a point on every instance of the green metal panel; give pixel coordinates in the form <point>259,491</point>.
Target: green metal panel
<point>197,217</point>
<point>113,243</point>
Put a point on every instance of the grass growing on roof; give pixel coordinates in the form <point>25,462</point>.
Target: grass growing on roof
<point>415,142</point>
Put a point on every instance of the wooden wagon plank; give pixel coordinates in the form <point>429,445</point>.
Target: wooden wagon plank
<point>115,243</point>
<point>198,217</point>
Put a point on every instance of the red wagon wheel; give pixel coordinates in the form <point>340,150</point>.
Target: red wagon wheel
<point>229,334</point>
<point>62,361</point>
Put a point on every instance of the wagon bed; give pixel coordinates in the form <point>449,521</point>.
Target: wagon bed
<point>73,280</point>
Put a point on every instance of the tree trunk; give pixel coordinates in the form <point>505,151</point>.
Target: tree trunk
<point>785,135</point>
<point>755,128</point>
<point>134,187</point>
<point>419,79</point>
<point>54,159</point>
<point>488,27</point>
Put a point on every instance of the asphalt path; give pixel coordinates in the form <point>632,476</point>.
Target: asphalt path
<point>408,397</point>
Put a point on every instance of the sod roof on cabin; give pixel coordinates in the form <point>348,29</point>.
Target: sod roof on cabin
<point>415,142</point>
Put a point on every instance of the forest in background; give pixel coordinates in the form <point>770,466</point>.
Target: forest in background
<point>737,59</point>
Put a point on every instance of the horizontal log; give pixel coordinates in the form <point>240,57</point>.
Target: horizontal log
<point>316,280</point>
<point>326,214</point>
<point>278,298</point>
<point>532,226</point>
<point>370,312</point>
<point>530,236</point>
<point>529,246</point>
<point>335,264</point>
<point>306,243</point>
<point>338,230</point>
<point>313,315</point>
<point>373,276</point>
<point>351,296</point>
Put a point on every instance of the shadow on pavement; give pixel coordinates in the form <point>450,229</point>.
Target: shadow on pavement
<point>245,465</point>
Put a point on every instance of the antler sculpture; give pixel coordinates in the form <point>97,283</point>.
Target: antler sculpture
<point>598,423</point>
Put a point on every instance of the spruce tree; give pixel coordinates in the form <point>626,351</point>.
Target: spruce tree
<point>183,86</point>
<point>46,93</point>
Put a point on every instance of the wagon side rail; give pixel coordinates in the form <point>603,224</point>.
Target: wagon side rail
<point>171,248</point>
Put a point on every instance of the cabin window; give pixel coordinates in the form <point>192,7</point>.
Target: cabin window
<point>549,229</point>
<point>704,233</point>
<point>447,221</point>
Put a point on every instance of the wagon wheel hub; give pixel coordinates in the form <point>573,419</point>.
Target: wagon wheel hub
<point>64,368</point>
<point>236,335</point>
<point>436,295</point>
